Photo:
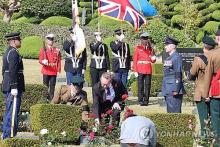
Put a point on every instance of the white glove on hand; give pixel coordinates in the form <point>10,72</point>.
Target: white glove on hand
<point>153,57</point>
<point>83,71</point>
<point>135,74</point>
<point>116,106</point>
<point>45,62</point>
<point>14,92</point>
<point>122,36</point>
<point>98,38</point>
<point>108,70</point>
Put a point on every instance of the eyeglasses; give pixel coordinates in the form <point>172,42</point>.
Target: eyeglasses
<point>51,39</point>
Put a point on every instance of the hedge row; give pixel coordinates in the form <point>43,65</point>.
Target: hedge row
<point>18,142</point>
<point>56,118</point>
<point>173,129</point>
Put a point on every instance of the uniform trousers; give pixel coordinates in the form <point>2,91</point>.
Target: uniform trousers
<point>203,111</point>
<point>174,103</point>
<point>96,74</point>
<point>10,120</point>
<point>144,84</point>
<point>50,82</point>
<point>215,116</point>
<point>123,76</point>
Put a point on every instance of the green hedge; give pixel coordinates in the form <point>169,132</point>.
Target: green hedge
<point>173,129</point>
<point>156,85</point>
<point>56,118</point>
<point>19,142</point>
<point>211,26</point>
<point>216,15</point>
<point>85,4</point>
<point>26,20</point>
<point>57,21</point>
<point>30,47</point>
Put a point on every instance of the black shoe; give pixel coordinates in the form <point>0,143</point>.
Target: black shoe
<point>143,104</point>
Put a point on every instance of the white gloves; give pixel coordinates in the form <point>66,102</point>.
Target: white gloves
<point>14,92</point>
<point>73,37</point>
<point>153,57</point>
<point>108,70</point>
<point>135,74</point>
<point>83,71</point>
<point>116,106</point>
<point>121,37</point>
<point>98,38</point>
<point>45,62</point>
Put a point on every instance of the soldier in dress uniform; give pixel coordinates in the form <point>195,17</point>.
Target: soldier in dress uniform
<point>73,95</point>
<point>100,58</point>
<point>142,59</point>
<point>213,79</point>
<point>13,84</point>
<point>74,65</point>
<point>197,73</point>
<point>172,87</point>
<point>50,59</point>
<point>121,61</point>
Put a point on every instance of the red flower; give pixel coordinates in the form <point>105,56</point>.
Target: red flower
<point>124,97</point>
<point>109,112</point>
<point>103,115</point>
<point>110,127</point>
<point>91,115</point>
<point>128,112</point>
<point>91,135</point>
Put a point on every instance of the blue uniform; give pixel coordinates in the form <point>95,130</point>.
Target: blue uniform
<point>172,82</point>
<point>13,78</point>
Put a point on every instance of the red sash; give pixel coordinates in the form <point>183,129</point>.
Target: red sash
<point>215,84</point>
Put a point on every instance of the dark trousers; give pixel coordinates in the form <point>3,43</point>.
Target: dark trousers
<point>144,84</point>
<point>203,111</point>
<point>50,82</point>
<point>123,76</point>
<point>96,74</point>
<point>10,121</point>
<point>215,116</point>
<point>174,103</point>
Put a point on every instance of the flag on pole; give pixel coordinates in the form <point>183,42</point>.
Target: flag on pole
<point>122,10</point>
<point>80,43</point>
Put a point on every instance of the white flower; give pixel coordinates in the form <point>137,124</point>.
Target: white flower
<point>63,133</point>
<point>49,143</point>
<point>94,129</point>
<point>22,113</point>
<point>27,112</point>
<point>43,131</point>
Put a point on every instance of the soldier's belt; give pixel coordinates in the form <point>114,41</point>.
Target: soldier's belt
<point>20,71</point>
<point>52,64</point>
<point>97,57</point>
<point>143,62</point>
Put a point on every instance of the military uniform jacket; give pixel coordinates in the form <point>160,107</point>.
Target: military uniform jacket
<point>100,104</point>
<point>212,69</point>
<point>63,95</point>
<point>100,57</point>
<point>121,56</point>
<point>172,80</point>
<point>142,60</point>
<point>198,70</point>
<point>12,71</point>
<point>72,62</point>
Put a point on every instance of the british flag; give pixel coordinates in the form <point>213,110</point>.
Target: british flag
<point>122,10</point>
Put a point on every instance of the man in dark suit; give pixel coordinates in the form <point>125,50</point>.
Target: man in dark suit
<point>13,84</point>
<point>107,95</point>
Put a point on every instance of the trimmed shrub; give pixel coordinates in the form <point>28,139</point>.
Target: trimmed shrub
<point>20,142</point>
<point>85,4</point>
<point>30,47</point>
<point>216,15</point>
<point>57,21</point>
<point>156,85</point>
<point>177,19</point>
<point>16,15</point>
<point>26,20</point>
<point>200,6</point>
<point>211,26</point>
<point>173,129</point>
<point>57,118</point>
<point>199,37</point>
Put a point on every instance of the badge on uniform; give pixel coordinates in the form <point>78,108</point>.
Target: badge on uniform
<point>168,63</point>
<point>177,81</point>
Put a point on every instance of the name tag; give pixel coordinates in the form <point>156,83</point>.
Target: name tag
<point>168,63</point>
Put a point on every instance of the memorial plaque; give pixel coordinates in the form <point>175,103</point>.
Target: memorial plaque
<point>188,55</point>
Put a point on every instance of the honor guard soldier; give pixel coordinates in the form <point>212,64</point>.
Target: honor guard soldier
<point>213,79</point>
<point>142,59</point>
<point>172,87</point>
<point>121,61</point>
<point>73,95</point>
<point>197,74</point>
<point>100,58</point>
<point>13,84</point>
<point>74,64</point>
<point>50,59</point>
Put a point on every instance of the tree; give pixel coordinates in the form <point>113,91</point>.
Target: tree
<point>8,7</point>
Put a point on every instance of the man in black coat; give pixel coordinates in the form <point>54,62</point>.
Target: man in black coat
<point>74,64</point>
<point>13,84</point>
<point>121,61</point>
<point>107,95</point>
<point>100,58</point>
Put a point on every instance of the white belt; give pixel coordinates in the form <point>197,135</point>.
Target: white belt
<point>20,71</point>
<point>98,57</point>
<point>143,62</point>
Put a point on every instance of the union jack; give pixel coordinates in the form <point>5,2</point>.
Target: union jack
<point>122,10</point>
